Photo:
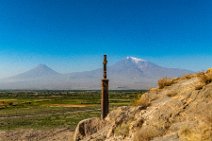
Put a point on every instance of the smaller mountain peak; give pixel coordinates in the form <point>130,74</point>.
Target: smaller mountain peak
<point>42,69</point>
<point>42,66</point>
<point>135,60</point>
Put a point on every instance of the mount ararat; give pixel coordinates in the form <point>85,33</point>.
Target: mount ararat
<point>129,73</point>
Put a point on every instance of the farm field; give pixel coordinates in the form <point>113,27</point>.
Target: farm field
<point>55,109</point>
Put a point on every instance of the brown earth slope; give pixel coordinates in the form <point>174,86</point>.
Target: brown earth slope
<point>179,110</point>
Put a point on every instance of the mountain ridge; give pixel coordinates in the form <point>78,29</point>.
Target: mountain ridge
<point>128,73</point>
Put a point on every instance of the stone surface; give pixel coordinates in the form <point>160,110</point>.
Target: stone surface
<point>178,112</point>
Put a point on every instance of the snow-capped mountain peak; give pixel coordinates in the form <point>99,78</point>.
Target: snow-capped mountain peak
<point>135,60</point>
<point>128,73</point>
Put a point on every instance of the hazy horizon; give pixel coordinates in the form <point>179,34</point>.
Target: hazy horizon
<point>91,69</point>
<point>71,36</point>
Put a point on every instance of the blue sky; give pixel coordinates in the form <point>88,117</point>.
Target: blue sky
<point>72,35</point>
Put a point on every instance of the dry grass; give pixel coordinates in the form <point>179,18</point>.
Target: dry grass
<point>187,76</point>
<point>144,101</point>
<point>155,90</point>
<point>147,133</point>
<point>187,134</point>
<point>209,70</point>
<point>205,77</point>
<point>165,82</point>
<point>184,77</point>
<point>122,130</point>
<point>202,132</point>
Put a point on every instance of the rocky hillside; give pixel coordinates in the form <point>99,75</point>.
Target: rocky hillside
<point>179,109</point>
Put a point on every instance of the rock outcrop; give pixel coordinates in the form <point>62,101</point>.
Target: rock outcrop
<point>179,111</point>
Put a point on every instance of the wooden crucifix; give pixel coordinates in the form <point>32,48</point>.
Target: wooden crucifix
<point>104,93</point>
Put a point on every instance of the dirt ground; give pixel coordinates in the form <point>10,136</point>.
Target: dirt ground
<point>37,135</point>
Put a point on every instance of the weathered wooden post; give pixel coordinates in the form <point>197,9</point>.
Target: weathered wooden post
<point>104,94</point>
